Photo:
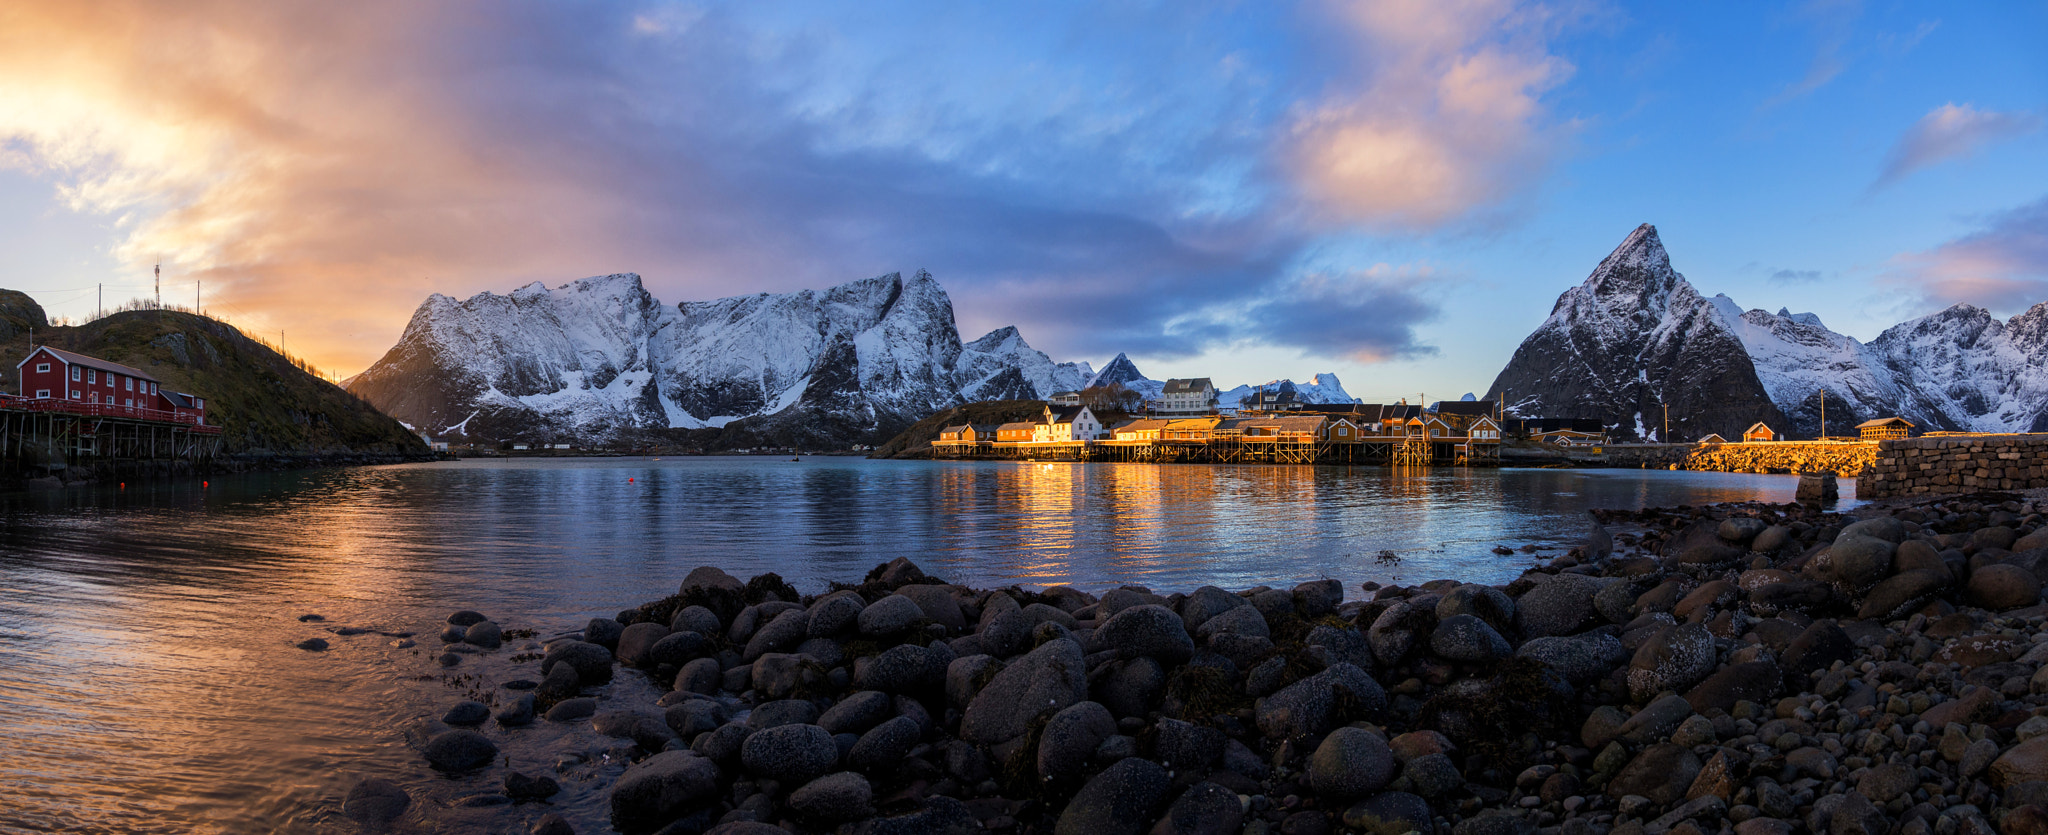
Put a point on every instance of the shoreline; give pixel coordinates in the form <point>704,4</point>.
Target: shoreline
<point>1747,668</point>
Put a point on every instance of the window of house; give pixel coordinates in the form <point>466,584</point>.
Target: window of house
<point>92,376</point>
<point>42,368</point>
<point>74,392</point>
<point>129,382</point>
<point>76,374</point>
<point>42,394</point>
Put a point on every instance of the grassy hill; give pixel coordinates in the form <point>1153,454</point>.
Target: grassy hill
<point>263,401</point>
<point>916,442</point>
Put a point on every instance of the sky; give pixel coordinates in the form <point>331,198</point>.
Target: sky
<point>1395,192</point>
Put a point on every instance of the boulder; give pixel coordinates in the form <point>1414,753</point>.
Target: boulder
<point>1243,620</point>
<point>1149,631</point>
<point>637,639</point>
<point>1999,587</point>
<point>375,801</point>
<point>1754,681</point>
<point>1204,809</point>
<point>1580,658</point>
<point>1856,563</point>
<point>660,789</point>
<point>1351,762</point>
<point>840,796</point>
<point>1397,630</point>
<point>1481,601</point>
<point>1662,773</point>
<point>1390,813</point>
<point>892,615</point>
<point>1559,605</point>
<point>1902,593</point>
<point>783,634</point>
<point>937,603</point>
<point>485,634</point>
<point>1048,678</point>
<point>1207,602</point>
<point>1070,738</point>
<point>884,746</point>
<point>858,712</point>
<point>1119,801</point>
<point>459,749</point>
<point>1309,707</point>
<point>791,754</point>
<point>1674,658</point>
<point>1467,638</point>
<point>1816,648</point>
<point>592,663</point>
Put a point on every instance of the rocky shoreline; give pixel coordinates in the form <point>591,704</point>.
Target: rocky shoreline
<point>1748,668</point>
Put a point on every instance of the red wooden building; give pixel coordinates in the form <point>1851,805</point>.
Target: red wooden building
<point>65,381</point>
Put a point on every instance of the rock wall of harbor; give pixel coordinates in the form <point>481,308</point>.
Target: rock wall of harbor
<point>1919,466</point>
<point>1848,460</point>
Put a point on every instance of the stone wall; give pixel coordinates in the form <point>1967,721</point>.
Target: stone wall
<point>1920,466</point>
<point>1848,460</point>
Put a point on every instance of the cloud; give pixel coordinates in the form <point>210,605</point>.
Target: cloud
<point>1446,117</point>
<point>1366,316</point>
<point>1834,21</point>
<point>1795,276</point>
<point>1948,132</point>
<point>2002,267</point>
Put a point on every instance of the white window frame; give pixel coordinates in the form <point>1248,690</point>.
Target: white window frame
<point>74,394</point>
<point>42,368</point>
<point>42,394</point>
<point>130,403</point>
<point>128,382</point>
<point>77,374</point>
<point>92,377</point>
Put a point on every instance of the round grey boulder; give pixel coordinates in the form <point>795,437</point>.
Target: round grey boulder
<point>1151,631</point>
<point>1675,658</point>
<point>884,745</point>
<point>1999,587</point>
<point>792,754</point>
<point>1467,638</point>
<point>892,615</point>
<point>1119,801</point>
<point>840,796</point>
<point>1556,606</point>
<point>660,789</point>
<point>484,634</point>
<point>1351,762</point>
<point>459,750</point>
<point>467,713</point>
<point>373,801</point>
<point>592,663</point>
<point>834,614</point>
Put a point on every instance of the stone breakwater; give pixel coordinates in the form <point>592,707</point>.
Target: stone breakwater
<point>1754,669</point>
<point>1848,460</point>
<point>1919,466</point>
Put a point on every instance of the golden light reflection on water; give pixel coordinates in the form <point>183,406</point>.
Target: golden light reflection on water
<point>147,667</point>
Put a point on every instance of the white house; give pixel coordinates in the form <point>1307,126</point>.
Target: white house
<point>1071,423</point>
<point>1187,397</point>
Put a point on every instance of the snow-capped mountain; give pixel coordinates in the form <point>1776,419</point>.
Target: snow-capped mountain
<point>599,356</point>
<point>1636,337</point>
<point>1322,388</point>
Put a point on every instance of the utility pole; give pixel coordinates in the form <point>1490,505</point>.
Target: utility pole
<point>198,287</point>
<point>1667,424</point>
<point>159,286</point>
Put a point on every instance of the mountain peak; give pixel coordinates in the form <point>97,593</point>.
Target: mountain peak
<point>1640,256</point>
<point>1119,371</point>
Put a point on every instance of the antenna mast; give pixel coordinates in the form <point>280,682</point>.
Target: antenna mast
<point>159,286</point>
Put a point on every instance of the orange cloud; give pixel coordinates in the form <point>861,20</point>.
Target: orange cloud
<point>1448,117</point>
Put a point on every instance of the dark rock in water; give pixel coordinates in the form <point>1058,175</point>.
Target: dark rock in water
<point>696,619</point>
<point>1661,773</point>
<point>636,640</point>
<point>699,676</point>
<point>312,645</point>
<point>311,618</point>
<point>782,634</point>
<point>467,713</point>
<point>660,789</point>
<point>905,668</point>
<point>593,663</point>
<point>1740,530</point>
<point>1675,658</point>
<point>1070,738</point>
<point>519,712</point>
<point>1318,598</point>
<point>694,717</point>
<point>938,605</point>
<point>783,712</point>
<point>1048,678</point>
<point>1467,638</point>
<point>562,682</point>
<point>459,750</point>
<point>884,746</point>
<point>708,577</point>
<point>1397,629</point>
<point>1204,809</point>
<point>840,796</point>
<point>465,618</point>
<point>374,801</point>
<point>520,787</point>
<point>723,745</point>
<point>1351,762</point>
<point>1309,707</point>
<point>792,754</point>
<point>1121,799</point>
<point>520,684</point>
<point>1481,601</point>
<point>1244,620</point>
<point>779,675</point>
<point>448,659</point>
<point>647,730</point>
<point>484,634</point>
<point>1207,602</point>
<point>573,710</point>
<point>1558,605</point>
<point>1149,631</point>
<point>604,632</point>
<point>1887,528</point>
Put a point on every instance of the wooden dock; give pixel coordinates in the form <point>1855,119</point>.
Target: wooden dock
<point>1387,451</point>
<point>49,435</point>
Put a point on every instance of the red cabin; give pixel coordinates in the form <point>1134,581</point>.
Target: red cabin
<point>63,378</point>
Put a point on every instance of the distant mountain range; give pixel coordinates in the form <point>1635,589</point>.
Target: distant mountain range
<point>600,359</point>
<point>1635,337</point>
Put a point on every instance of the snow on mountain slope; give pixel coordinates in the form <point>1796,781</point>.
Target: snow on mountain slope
<point>1636,337</point>
<point>599,356</point>
<point>1321,389</point>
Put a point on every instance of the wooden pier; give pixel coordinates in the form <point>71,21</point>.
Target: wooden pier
<point>1394,451</point>
<point>49,435</point>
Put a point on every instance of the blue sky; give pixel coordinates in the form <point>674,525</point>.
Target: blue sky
<point>1396,192</point>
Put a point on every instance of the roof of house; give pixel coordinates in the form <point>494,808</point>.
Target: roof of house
<point>983,428</point>
<point>1192,423</point>
<point>1287,423</point>
<point>1755,426</point>
<point>955,429</point>
<point>1017,426</point>
<point>1872,424</point>
<point>1190,385</point>
<point>90,362</point>
<point>178,399</point>
<point>1142,424</point>
<point>1067,414</point>
<point>1472,408</point>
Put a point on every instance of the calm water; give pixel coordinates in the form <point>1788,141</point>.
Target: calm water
<point>149,683</point>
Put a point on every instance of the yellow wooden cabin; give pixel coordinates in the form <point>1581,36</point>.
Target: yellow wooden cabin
<point>1758,433</point>
<point>1885,429</point>
<point>1016,433</point>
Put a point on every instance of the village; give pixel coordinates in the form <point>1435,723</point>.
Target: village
<point>1186,423</point>
<point>75,409</point>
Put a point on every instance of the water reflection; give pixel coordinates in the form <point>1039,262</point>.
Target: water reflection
<point>150,684</point>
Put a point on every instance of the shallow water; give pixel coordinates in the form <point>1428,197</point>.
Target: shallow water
<point>149,682</point>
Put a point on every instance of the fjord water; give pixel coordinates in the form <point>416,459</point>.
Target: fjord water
<point>149,680</point>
